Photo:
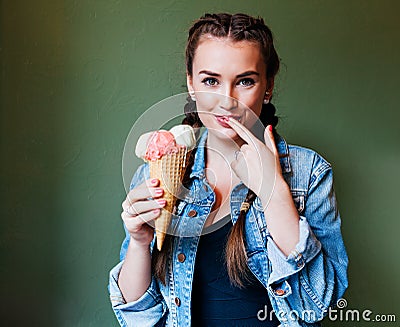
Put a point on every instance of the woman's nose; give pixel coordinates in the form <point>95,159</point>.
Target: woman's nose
<point>228,101</point>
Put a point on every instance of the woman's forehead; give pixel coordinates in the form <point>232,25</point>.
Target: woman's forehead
<point>226,54</point>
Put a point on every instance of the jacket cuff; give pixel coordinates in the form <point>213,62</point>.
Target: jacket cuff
<point>147,300</point>
<point>306,249</point>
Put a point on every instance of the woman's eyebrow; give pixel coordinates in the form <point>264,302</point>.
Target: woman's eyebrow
<point>207,72</point>
<point>248,73</point>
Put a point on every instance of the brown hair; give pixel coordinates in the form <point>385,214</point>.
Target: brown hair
<point>237,27</point>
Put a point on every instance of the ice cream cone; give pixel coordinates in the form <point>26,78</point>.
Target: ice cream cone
<point>169,169</point>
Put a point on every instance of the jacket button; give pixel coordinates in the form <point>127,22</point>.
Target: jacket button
<point>192,213</point>
<point>177,301</point>
<point>279,292</point>
<point>181,257</point>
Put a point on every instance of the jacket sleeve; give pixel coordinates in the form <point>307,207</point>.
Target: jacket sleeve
<point>314,276</point>
<point>150,309</point>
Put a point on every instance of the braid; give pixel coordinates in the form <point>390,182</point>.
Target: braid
<point>235,251</point>
<point>191,118</point>
<point>267,115</point>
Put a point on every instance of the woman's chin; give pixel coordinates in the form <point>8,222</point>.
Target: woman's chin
<point>224,133</point>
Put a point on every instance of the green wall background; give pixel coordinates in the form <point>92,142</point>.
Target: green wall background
<point>76,74</point>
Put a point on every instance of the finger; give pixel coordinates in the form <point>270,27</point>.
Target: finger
<point>239,167</point>
<point>245,148</point>
<point>141,207</point>
<point>269,139</point>
<point>241,130</point>
<point>146,217</point>
<point>152,182</point>
<point>143,192</point>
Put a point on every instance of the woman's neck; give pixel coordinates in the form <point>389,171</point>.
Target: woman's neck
<point>219,148</point>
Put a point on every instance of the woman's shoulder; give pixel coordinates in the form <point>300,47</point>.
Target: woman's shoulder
<point>299,156</point>
<point>303,166</point>
<point>304,155</point>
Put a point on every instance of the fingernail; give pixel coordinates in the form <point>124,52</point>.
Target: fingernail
<point>270,128</point>
<point>154,181</point>
<point>159,191</point>
<point>156,210</point>
<point>162,202</point>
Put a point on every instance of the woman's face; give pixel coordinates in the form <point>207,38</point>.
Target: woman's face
<point>229,79</point>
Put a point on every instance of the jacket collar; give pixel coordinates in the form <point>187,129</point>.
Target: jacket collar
<point>283,151</point>
<point>199,159</point>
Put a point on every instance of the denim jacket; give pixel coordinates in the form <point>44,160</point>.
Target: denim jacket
<point>301,286</point>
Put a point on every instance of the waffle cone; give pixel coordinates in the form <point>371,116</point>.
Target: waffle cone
<point>169,170</point>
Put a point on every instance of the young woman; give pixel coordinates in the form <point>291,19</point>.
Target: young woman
<point>265,246</point>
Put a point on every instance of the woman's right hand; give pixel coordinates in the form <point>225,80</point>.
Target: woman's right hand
<point>138,210</point>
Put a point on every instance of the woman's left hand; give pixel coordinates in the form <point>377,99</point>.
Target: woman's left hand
<point>257,163</point>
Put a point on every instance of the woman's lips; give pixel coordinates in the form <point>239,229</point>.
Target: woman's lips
<point>223,120</point>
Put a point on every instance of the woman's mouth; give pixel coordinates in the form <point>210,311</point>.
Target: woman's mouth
<point>223,120</point>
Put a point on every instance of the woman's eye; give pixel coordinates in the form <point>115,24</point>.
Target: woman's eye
<point>246,82</point>
<point>210,81</point>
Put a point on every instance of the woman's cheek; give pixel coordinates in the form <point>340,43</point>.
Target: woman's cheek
<point>206,101</point>
<point>206,119</point>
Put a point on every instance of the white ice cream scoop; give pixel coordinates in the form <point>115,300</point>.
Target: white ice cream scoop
<point>184,135</point>
<point>141,145</point>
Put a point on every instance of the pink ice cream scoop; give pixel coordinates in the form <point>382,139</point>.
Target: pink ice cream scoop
<point>160,143</point>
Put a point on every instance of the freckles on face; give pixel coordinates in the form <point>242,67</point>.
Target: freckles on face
<point>229,78</point>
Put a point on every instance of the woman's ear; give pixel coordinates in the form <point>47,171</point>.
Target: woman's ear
<point>268,92</point>
<point>270,86</point>
<point>189,83</point>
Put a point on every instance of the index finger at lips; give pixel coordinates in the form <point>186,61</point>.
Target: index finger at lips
<point>241,130</point>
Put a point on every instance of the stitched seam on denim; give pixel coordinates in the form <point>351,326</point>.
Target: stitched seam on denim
<point>324,166</point>
<point>260,218</point>
<point>121,319</point>
<point>257,232</point>
<point>312,294</point>
<point>173,309</point>
<point>155,296</point>
<point>118,299</point>
<point>318,175</point>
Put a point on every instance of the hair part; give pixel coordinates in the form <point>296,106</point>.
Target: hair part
<point>237,27</point>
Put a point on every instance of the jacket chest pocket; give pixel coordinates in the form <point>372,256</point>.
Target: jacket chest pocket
<point>298,197</point>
